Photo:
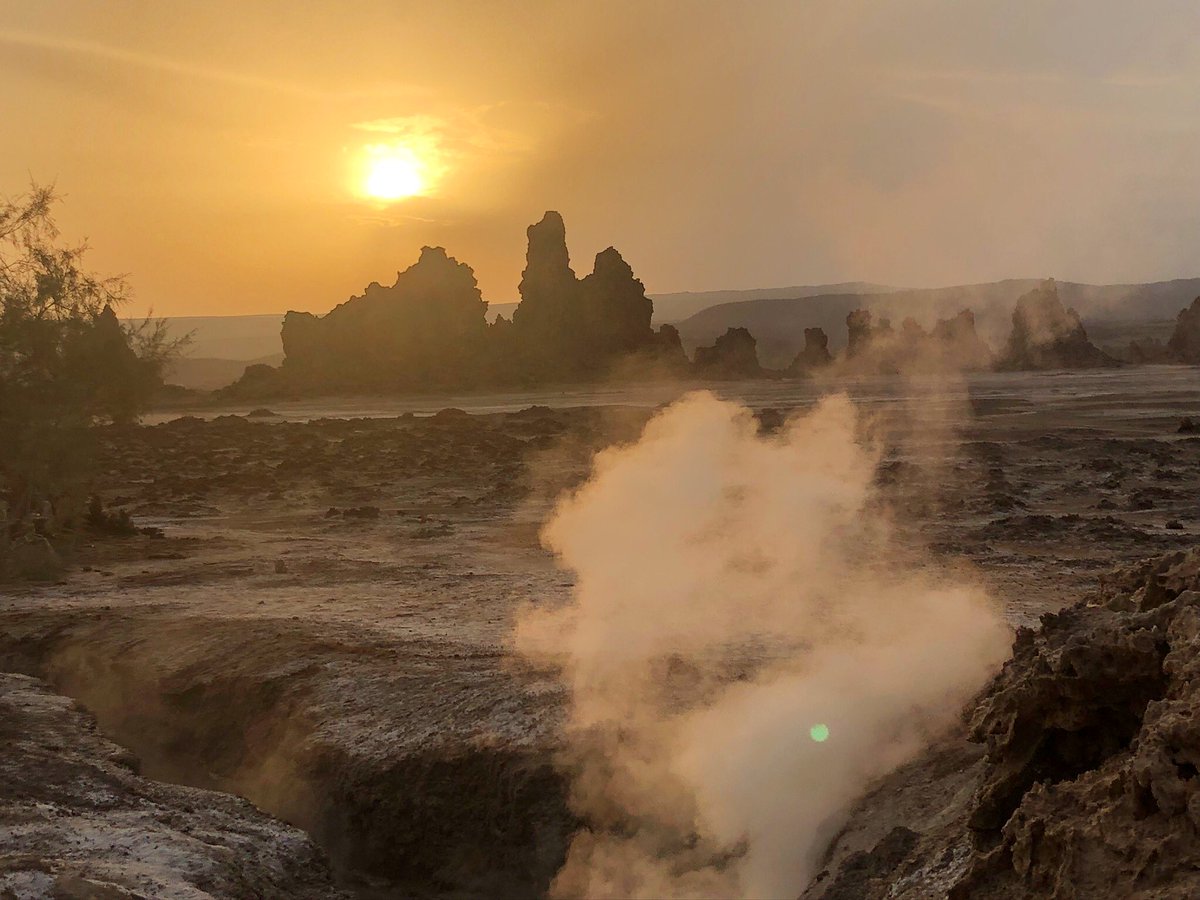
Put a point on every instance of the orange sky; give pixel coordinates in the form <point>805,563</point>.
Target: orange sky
<point>210,150</point>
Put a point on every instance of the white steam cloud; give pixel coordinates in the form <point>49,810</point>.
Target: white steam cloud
<point>745,649</point>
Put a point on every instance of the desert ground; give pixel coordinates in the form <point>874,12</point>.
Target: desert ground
<point>318,616</point>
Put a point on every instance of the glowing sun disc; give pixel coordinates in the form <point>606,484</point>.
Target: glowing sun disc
<point>393,174</point>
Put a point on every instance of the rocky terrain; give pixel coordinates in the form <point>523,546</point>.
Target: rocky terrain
<point>320,622</point>
<point>1079,778</point>
<point>78,823</point>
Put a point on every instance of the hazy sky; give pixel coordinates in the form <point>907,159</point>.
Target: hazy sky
<point>213,150</point>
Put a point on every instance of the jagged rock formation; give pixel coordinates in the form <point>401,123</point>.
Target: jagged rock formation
<point>548,321</point>
<point>734,355</point>
<point>428,331</point>
<point>425,330</point>
<point>1088,785</point>
<point>567,328</point>
<point>616,311</point>
<point>1184,344</point>
<point>815,354</point>
<point>1046,335</point>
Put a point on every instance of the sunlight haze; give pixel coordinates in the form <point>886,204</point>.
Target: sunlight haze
<point>237,158</point>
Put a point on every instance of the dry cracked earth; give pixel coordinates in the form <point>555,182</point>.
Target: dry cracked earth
<point>321,628</point>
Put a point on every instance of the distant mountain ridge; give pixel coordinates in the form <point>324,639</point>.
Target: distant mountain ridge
<point>680,305</point>
<point>676,306</point>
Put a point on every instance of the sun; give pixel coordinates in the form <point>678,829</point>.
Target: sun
<point>393,173</point>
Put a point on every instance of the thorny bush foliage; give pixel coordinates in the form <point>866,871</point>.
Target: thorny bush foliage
<point>66,364</point>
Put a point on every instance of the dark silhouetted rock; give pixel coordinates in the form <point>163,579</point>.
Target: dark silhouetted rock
<point>567,329</point>
<point>1046,335</point>
<point>815,354</point>
<point>858,332</point>
<point>426,330</point>
<point>1184,344</point>
<point>734,355</point>
<point>668,347</point>
<point>259,381</point>
<point>959,344</point>
<point>548,319</point>
<point>616,311</point>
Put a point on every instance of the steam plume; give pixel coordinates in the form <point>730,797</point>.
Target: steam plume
<point>745,649</point>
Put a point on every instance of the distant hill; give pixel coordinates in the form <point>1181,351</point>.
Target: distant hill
<point>677,306</point>
<point>221,347</point>
<point>229,337</point>
<point>779,324</point>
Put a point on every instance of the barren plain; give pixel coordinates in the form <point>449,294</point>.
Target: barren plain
<point>318,620</point>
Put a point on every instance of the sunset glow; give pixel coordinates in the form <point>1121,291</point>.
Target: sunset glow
<point>393,173</point>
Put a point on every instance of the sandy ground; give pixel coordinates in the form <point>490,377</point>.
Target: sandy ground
<point>322,626</point>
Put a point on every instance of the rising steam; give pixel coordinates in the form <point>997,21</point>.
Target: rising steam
<point>746,647</point>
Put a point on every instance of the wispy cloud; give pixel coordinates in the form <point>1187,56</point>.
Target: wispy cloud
<point>149,61</point>
<point>459,132</point>
<point>971,76</point>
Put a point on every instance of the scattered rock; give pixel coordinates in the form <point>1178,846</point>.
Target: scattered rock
<point>770,420</point>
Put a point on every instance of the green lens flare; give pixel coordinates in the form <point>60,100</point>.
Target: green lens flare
<point>819,732</point>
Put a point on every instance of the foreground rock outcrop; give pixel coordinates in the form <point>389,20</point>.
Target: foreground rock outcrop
<point>1047,335</point>
<point>76,821</point>
<point>1088,784</point>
